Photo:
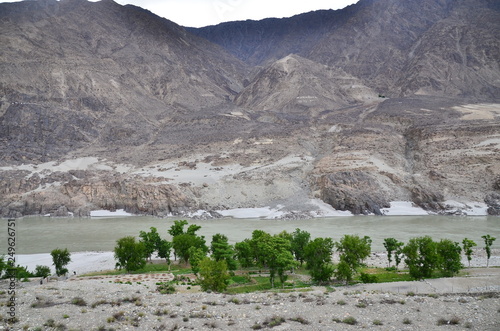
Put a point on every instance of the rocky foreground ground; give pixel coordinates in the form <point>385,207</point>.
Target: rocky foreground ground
<point>131,302</point>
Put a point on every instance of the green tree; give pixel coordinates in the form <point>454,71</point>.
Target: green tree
<point>213,275</point>
<point>192,229</point>
<point>244,253</point>
<point>183,242</point>
<point>130,254</point>
<point>421,257</point>
<point>3,265</point>
<point>151,241</point>
<point>221,250</point>
<point>60,259</point>
<point>488,241</point>
<point>164,250</point>
<point>353,251</point>
<point>275,254</point>
<point>42,271</point>
<point>468,246</point>
<point>398,254</point>
<point>300,240</point>
<point>318,255</point>
<point>196,255</point>
<point>391,246</point>
<point>256,249</point>
<point>177,228</point>
<point>344,272</point>
<point>449,257</point>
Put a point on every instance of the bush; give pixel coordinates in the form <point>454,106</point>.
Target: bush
<point>42,271</point>
<point>350,320</point>
<point>165,288</point>
<point>78,301</point>
<point>367,278</point>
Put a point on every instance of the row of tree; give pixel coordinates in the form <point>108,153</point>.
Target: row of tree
<point>281,253</point>
<point>60,259</point>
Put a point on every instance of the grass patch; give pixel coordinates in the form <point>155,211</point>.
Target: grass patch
<point>176,269</point>
<point>350,320</point>
<point>382,275</point>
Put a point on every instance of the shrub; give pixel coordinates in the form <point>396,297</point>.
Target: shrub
<point>367,278</point>
<point>299,320</point>
<point>78,301</point>
<point>165,288</point>
<point>453,321</point>
<point>377,322</point>
<point>350,320</point>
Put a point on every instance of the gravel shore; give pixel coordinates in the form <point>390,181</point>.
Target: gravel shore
<point>131,302</point>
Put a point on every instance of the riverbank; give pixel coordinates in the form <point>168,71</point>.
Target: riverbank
<point>90,303</point>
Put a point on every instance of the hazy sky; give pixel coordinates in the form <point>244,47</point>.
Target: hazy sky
<point>198,13</point>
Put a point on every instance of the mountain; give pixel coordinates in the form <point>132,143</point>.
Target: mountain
<point>76,72</point>
<point>397,47</point>
<point>295,84</point>
<point>104,106</point>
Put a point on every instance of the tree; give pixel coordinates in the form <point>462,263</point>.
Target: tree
<point>213,275</point>
<point>488,241</point>
<point>183,242</point>
<point>192,229</point>
<point>196,254</point>
<point>244,253</point>
<point>60,259</point>
<point>42,271</point>
<point>131,255</point>
<point>221,250</point>
<point>274,253</point>
<point>421,257</point>
<point>353,251</point>
<point>300,240</point>
<point>257,235</point>
<point>164,250</point>
<point>449,258</point>
<point>177,228</point>
<point>467,245</point>
<point>318,255</point>
<point>151,241</point>
<point>3,265</point>
<point>398,254</point>
<point>391,246</point>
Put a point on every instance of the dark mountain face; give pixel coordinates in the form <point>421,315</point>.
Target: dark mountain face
<point>109,106</point>
<point>389,44</point>
<point>102,72</point>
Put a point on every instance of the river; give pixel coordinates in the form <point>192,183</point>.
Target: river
<point>42,234</point>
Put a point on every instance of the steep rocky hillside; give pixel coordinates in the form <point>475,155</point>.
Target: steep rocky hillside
<point>76,73</point>
<point>104,106</point>
<point>397,47</point>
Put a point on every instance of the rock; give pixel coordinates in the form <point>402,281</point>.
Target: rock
<point>493,202</point>
<point>355,191</point>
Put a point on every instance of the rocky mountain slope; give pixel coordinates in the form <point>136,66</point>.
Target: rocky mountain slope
<point>104,106</point>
